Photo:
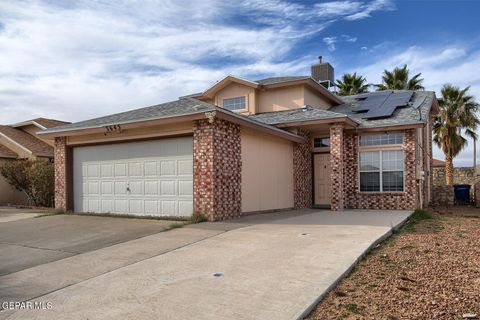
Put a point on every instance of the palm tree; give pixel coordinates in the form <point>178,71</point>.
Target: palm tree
<point>398,80</point>
<point>352,84</point>
<point>458,113</point>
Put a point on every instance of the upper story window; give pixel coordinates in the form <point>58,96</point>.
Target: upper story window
<point>381,139</point>
<point>237,103</point>
<point>321,142</point>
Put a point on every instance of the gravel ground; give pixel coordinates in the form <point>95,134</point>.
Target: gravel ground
<point>429,270</point>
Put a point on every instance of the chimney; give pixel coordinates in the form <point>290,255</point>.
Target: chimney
<point>323,73</point>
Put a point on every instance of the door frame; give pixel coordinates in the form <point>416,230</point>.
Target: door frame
<point>314,205</point>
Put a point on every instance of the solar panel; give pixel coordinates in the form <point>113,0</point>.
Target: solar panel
<point>371,100</point>
<point>383,105</point>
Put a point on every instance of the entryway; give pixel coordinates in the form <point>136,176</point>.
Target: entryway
<point>322,181</point>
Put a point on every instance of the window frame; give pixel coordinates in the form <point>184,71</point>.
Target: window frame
<point>245,107</point>
<point>380,149</point>
<point>320,148</point>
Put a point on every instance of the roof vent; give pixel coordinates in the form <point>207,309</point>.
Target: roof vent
<point>323,73</point>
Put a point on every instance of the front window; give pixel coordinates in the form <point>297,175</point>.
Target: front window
<point>321,142</point>
<point>237,103</point>
<point>381,171</point>
<point>381,139</point>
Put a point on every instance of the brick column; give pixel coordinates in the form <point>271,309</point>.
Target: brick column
<point>217,169</point>
<point>337,166</point>
<point>60,158</point>
<point>302,172</point>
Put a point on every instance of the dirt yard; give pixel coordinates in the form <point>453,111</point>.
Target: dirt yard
<point>428,270</point>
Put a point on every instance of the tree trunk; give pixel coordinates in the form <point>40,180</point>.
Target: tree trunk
<point>448,169</point>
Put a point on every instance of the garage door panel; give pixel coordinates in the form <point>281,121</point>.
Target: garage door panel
<point>120,205</point>
<point>120,169</point>
<point>136,188</point>
<point>144,178</point>
<point>151,168</point>
<point>185,206</point>
<point>106,170</point>
<point>107,205</point>
<point>93,170</point>
<point>135,206</point>
<point>93,187</point>
<point>185,188</point>
<point>168,207</point>
<point>185,167</point>
<point>120,187</point>
<point>135,169</point>
<point>167,188</point>
<point>106,188</point>
<point>167,168</point>
<point>151,188</point>
<point>93,205</point>
<point>151,207</point>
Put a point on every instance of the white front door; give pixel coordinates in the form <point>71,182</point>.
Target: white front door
<point>141,178</point>
<point>322,180</point>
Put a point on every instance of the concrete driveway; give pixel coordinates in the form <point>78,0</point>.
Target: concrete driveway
<point>30,242</point>
<point>8,214</point>
<point>273,266</point>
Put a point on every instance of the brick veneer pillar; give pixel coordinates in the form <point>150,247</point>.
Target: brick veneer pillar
<point>337,165</point>
<point>60,158</point>
<point>217,169</point>
<point>302,172</point>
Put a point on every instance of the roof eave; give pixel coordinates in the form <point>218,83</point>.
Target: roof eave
<point>343,119</point>
<point>124,125</point>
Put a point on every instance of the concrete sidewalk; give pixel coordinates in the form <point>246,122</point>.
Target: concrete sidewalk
<point>271,269</point>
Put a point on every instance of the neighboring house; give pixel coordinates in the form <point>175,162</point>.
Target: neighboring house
<point>247,146</point>
<point>438,163</point>
<point>21,141</point>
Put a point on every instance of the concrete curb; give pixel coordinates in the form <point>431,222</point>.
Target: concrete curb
<point>382,238</point>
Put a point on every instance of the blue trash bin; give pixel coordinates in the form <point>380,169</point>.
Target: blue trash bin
<point>462,193</point>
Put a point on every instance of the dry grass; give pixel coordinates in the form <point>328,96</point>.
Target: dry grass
<point>429,270</point>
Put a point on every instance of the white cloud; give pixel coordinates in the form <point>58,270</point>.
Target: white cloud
<point>77,60</point>
<point>456,64</point>
<point>331,41</point>
<point>352,10</point>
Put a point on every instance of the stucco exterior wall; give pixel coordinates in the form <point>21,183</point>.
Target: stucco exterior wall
<point>8,195</point>
<point>284,98</point>
<point>235,90</point>
<point>267,172</point>
<point>314,100</point>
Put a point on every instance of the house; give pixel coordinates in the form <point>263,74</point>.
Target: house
<point>245,146</point>
<point>21,141</point>
<point>437,163</point>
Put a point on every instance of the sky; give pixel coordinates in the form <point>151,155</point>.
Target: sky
<point>75,60</point>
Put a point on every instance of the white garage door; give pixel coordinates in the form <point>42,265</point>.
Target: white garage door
<point>142,178</point>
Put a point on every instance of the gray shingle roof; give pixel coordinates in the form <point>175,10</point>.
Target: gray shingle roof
<point>415,113</point>
<point>306,113</point>
<point>180,107</point>
<point>274,80</point>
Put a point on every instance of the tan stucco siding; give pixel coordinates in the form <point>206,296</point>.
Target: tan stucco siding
<point>9,195</point>
<point>267,172</point>
<point>281,99</point>
<point>132,134</point>
<point>236,90</point>
<point>315,100</point>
